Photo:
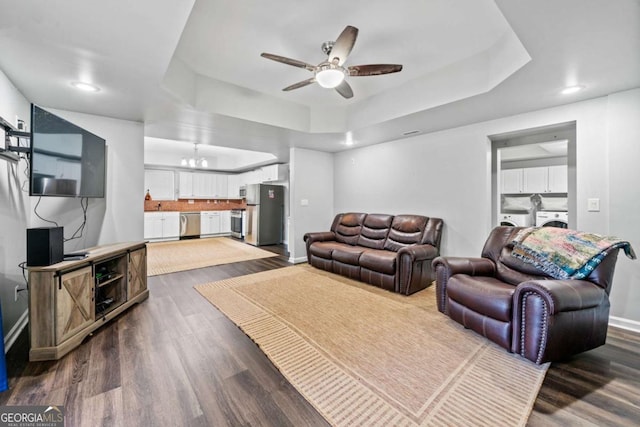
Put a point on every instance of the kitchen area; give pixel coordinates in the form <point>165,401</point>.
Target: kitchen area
<point>188,204</point>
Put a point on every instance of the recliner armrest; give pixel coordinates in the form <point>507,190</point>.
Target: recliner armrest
<point>562,295</point>
<point>470,266</point>
<point>555,319</point>
<point>445,267</point>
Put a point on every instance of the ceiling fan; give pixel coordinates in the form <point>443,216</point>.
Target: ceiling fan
<point>331,73</point>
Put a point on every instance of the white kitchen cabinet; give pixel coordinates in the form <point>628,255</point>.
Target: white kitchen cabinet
<point>233,186</point>
<point>161,225</point>
<point>185,186</point>
<point>277,172</point>
<point>250,177</point>
<point>200,185</point>
<point>209,222</point>
<point>221,189</point>
<point>225,222</point>
<point>160,184</point>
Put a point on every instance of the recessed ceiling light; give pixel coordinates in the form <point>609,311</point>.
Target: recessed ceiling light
<point>572,89</point>
<point>348,139</point>
<point>87,87</point>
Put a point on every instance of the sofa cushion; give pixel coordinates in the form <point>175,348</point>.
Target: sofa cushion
<point>405,230</point>
<point>347,254</point>
<point>374,231</point>
<point>348,228</point>
<point>482,294</point>
<point>379,260</point>
<point>324,249</point>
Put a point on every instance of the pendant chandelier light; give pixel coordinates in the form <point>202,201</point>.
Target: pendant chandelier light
<point>194,161</point>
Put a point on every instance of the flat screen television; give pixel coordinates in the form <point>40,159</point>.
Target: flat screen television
<point>66,160</point>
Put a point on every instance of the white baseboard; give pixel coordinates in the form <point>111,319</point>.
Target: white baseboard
<point>13,334</point>
<point>298,260</point>
<point>619,322</point>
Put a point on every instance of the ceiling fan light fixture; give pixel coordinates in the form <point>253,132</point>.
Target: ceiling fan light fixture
<point>330,76</point>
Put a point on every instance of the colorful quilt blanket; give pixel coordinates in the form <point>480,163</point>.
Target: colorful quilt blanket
<point>564,253</point>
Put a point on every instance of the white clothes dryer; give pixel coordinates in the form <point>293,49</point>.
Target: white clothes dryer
<point>515,220</point>
<point>558,219</point>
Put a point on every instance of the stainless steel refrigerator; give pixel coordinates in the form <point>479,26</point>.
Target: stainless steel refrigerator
<point>265,214</point>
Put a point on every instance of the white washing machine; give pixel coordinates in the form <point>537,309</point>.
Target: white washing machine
<point>558,219</point>
<point>515,219</point>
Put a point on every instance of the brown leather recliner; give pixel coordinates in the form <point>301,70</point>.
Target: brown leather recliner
<point>519,307</point>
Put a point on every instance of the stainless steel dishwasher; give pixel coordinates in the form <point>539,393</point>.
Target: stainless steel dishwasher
<point>189,225</point>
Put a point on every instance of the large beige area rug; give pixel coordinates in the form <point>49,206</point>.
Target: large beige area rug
<point>366,357</point>
<point>181,255</point>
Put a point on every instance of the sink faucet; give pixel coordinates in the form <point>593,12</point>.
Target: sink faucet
<point>159,206</point>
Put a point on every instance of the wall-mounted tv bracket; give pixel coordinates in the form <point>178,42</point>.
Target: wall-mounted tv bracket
<point>8,152</point>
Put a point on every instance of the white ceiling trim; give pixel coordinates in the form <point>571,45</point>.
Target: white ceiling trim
<point>465,78</point>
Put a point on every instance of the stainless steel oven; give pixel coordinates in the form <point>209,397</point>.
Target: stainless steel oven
<point>238,223</point>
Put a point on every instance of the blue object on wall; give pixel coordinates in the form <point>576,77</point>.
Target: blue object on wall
<point>3,364</point>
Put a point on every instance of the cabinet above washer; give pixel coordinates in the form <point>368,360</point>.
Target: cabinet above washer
<point>543,179</point>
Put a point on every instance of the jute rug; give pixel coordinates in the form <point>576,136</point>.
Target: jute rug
<point>181,255</point>
<point>366,357</point>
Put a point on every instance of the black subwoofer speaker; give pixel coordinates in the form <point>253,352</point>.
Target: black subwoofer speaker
<point>45,246</point>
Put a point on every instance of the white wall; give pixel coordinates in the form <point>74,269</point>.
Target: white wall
<point>14,208</point>
<point>447,174</point>
<point>311,180</point>
<point>119,216</point>
<point>623,119</point>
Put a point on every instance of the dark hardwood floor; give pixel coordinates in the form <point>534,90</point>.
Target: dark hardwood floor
<point>176,360</point>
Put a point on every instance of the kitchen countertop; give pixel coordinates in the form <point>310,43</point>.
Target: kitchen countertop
<point>196,206</point>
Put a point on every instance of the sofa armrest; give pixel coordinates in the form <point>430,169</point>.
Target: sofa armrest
<point>445,267</point>
<point>555,319</point>
<point>418,252</point>
<point>320,236</point>
<point>414,268</point>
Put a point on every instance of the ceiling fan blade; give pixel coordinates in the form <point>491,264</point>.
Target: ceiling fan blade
<point>373,69</point>
<point>288,61</point>
<point>343,45</point>
<point>300,84</point>
<point>344,89</point>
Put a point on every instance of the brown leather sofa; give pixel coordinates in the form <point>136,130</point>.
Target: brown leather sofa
<point>519,307</point>
<point>391,252</point>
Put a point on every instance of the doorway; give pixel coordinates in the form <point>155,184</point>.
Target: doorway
<point>533,176</point>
